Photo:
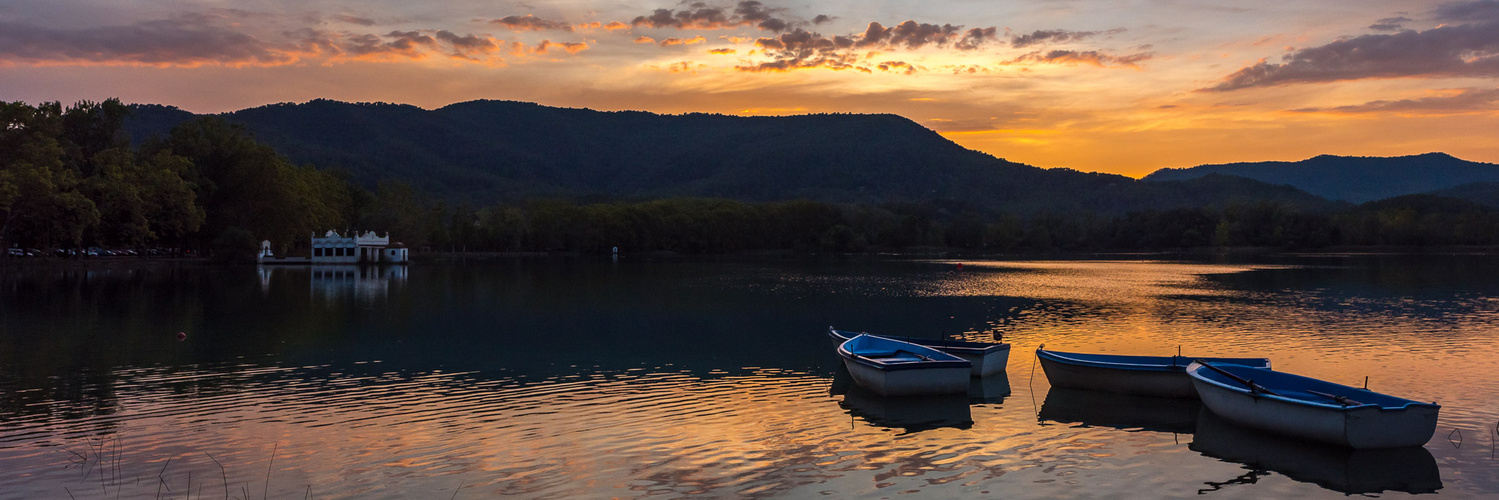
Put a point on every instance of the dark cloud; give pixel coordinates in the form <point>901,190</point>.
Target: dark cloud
<point>1464,101</point>
<point>799,48</point>
<point>1482,11</point>
<point>470,46</point>
<point>410,40</point>
<point>529,22</point>
<point>753,12</point>
<point>1468,49</point>
<point>214,39</point>
<point>1390,23</point>
<point>1089,57</point>
<point>699,15</point>
<point>1056,36</point>
<point>354,20</point>
<point>914,35</point>
<point>823,18</point>
<point>973,38</point>
<point>178,41</point>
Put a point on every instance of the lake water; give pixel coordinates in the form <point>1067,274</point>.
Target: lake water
<point>592,378</point>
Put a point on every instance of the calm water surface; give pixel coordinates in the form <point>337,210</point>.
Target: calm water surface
<point>592,378</point>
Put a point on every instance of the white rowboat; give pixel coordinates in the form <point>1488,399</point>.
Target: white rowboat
<point>987,358</point>
<point>1154,376</point>
<point>894,368</point>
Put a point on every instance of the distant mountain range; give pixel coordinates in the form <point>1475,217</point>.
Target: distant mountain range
<point>501,151</point>
<point>1359,179</point>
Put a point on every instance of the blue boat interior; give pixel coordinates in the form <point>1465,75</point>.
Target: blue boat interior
<point>1307,389</point>
<point>897,356</point>
<point>887,352</point>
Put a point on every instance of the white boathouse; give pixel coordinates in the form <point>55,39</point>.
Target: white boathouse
<point>335,248</point>
<point>367,248</point>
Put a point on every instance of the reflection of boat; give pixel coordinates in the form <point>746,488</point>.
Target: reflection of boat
<point>841,381</point>
<point>912,413</point>
<point>1313,409</point>
<point>987,359</point>
<point>990,389</point>
<point>1155,376</point>
<point>895,368</point>
<point>1102,409</point>
<point>1411,469</point>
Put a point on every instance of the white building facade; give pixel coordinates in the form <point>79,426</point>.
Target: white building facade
<point>367,248</point>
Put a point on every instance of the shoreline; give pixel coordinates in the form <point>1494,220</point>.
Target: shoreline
<point>18,263</point>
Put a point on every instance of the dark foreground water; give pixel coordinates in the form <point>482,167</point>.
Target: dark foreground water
<point>592,379</point>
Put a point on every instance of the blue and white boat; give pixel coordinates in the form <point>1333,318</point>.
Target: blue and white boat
<point>1154,376</point>
<point>1312,409</point>
<point>987,358</point>
<point>894,368</point>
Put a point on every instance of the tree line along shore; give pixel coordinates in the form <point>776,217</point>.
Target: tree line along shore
<point>71,179</point>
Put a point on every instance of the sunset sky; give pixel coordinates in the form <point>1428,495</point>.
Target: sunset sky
<point>1122,87</point>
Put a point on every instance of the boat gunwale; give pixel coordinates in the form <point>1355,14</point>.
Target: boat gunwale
<point>953,362</point>
<point>964,346</point>
<point>1071,359</point>
<point>1409,403</point>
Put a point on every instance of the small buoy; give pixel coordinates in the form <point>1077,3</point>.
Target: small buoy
<point>960,266</point>
<point>181,336</point>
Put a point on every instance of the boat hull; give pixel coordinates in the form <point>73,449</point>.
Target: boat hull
<point>1158,384</point>
<point>985,362</point>
<point>1152,376</point>
<point>1366,426</point>
<point>915,382</point>
<point>987,359</point>
<point>919,371</point>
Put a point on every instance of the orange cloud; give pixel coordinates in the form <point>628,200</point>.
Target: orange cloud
<point>196,41</point>
<point>529,22</point>
<point>612,26</point>
<point>678,41</point>
<point>1088,57</point>
<point>568,47</point>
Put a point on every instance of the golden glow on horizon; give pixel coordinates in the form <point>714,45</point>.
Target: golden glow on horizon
<point>1123,92</point>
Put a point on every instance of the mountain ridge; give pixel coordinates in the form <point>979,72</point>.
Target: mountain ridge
<point>492,151</point>
<point>1355,179</point>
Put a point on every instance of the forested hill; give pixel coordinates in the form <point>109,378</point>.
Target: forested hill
<point>501,151</point>
<point>1352,178</point>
